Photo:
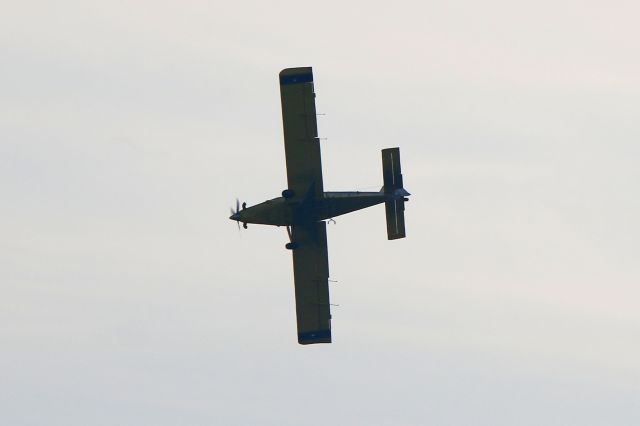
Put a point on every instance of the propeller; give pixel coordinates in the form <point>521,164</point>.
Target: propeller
<point>235,214</point>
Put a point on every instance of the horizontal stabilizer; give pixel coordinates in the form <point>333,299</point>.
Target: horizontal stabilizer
<point>394,193</point>
<point>395,219</point>
<point>391,172</point>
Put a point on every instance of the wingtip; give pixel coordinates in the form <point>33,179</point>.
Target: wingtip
<point>311,337</point>
<point>296,70</point>
<point>296,75</point>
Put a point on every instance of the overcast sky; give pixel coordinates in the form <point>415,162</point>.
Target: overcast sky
<point>127,130</point>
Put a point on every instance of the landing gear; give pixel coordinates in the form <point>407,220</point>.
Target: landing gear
<point>288,193</point>
<point>244,225</point>
<point>291,245</point>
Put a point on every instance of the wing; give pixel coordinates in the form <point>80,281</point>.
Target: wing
<point>311,275</point>
<point>301,144</point>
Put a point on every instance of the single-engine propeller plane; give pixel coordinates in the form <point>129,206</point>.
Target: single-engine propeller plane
<point>304,205</point>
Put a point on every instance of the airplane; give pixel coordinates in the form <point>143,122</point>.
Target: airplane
<point>304,205</point>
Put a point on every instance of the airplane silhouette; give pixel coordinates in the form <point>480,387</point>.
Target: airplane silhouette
<point>304,205</point>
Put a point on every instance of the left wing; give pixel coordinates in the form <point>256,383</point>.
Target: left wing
<point>301,144</point>
<point>311,275</point>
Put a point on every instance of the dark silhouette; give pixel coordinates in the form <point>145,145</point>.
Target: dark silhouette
<point>304,205</point>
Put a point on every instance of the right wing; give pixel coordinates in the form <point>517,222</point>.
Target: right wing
<point>311,276</point>
<point>301,144</point>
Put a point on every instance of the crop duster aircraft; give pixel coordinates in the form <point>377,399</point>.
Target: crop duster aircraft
<point>304,205</point>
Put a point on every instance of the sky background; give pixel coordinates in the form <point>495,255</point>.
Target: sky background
<point>127,130</point>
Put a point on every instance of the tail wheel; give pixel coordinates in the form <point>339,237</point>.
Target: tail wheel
<point>291,246</point>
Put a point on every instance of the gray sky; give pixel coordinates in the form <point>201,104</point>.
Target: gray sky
<point>127,129</point>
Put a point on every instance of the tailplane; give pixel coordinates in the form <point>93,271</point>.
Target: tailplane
<point>394,192</point>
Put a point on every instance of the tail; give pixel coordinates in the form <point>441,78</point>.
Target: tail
<point>394,192</point>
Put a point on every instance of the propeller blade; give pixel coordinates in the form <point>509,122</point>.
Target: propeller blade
<point>236,212</point>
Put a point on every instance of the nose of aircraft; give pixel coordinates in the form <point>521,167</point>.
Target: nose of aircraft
<point>235,216</point>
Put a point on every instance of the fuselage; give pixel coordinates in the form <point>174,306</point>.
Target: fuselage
<point>283,211</point>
